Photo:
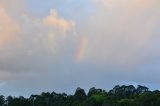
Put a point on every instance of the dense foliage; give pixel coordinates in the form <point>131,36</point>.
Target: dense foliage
<point>118,96</point>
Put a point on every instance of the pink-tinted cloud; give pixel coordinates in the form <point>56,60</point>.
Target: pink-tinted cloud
<point>54,20</point>
<point>8,28</point>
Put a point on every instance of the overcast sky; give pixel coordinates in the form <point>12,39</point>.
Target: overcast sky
<point>59,45</point>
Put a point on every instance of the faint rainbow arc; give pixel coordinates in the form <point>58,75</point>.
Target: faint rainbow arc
<point>80,53</point>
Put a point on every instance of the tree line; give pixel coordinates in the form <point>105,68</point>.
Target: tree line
<point>118,96</point>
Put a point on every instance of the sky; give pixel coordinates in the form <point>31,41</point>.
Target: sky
<point>59,45</point>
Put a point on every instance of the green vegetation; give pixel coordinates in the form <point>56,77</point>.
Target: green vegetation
<point>118,96</point>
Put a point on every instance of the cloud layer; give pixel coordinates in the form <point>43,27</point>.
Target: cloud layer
<point>8,28</point>
<point>120,31</point>
<point>106,41</point>
<point>29,43</point>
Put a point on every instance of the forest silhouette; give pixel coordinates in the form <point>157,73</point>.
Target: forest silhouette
<point>118,96</point>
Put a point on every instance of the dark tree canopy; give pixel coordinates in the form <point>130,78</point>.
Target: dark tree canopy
<point>80,94</point>
<point>118,96</point>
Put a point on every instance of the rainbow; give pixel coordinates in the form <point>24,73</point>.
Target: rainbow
<point>80,53</point>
